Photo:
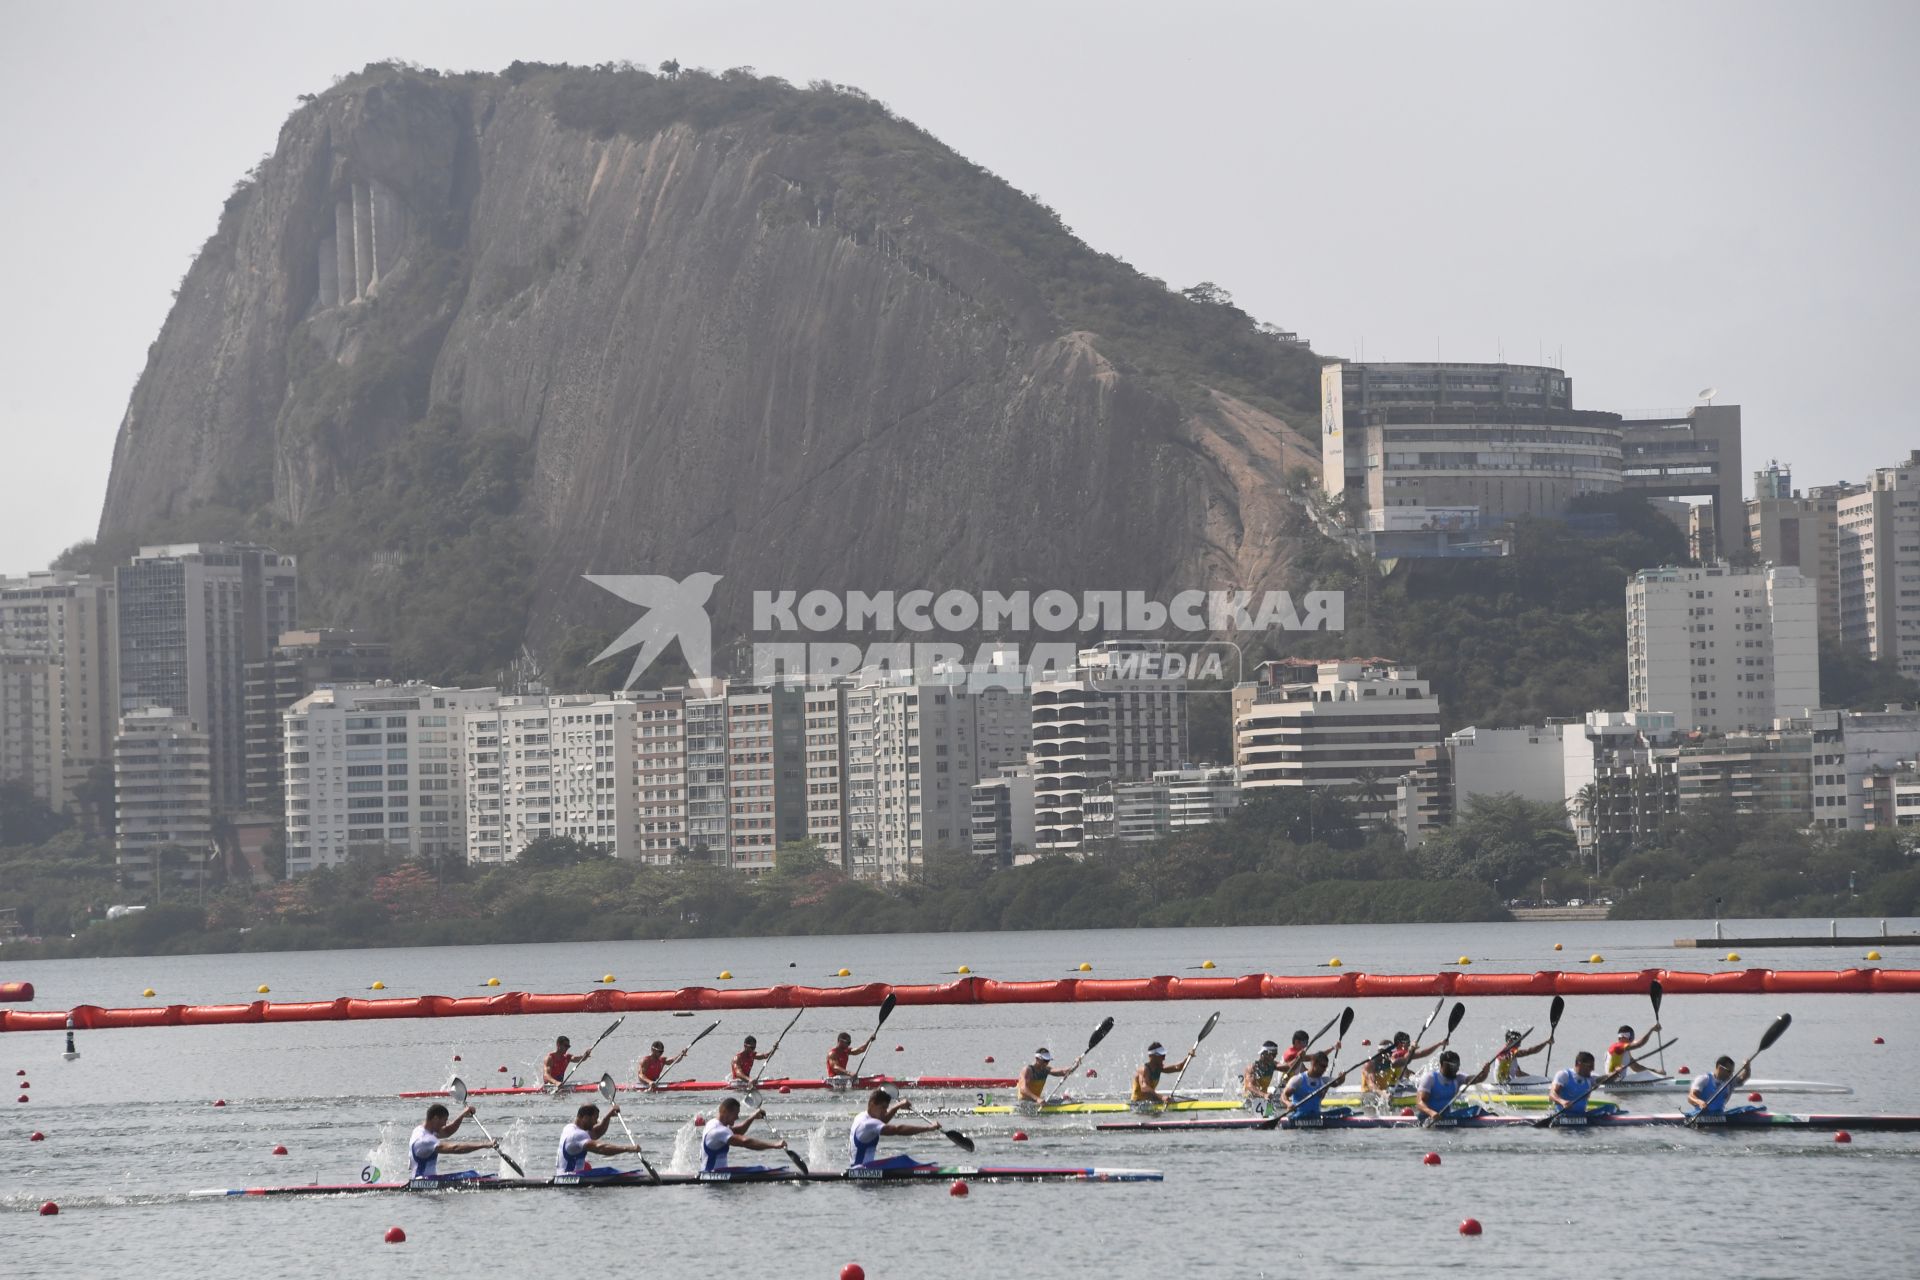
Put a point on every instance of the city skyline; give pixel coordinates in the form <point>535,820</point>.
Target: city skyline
<point>1708,231</point>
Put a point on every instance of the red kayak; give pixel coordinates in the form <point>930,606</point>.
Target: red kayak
<point>766,1086</point>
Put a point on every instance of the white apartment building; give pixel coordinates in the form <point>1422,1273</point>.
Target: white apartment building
<point>919,746</point>
<point>826,765</point>
<point>1171,801</point>
<point>1003,817</point>
<point>377,765</point>
<point>766,773</point>
<point>707,809</point>
<point>59,690</point>
<point>1528,762</point>
<point>548,765</point>
<point>1357,727</point>
<point>659,777</point>
<point>1108,720</point>
<point>1880,567</point>
<point>1725,650</point>
<point>163,788</point>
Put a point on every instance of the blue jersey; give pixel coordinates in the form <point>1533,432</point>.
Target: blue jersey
<point>1575,1090</point>
<point>1438,1091</point>
<point>1711,1095</point>
<point>1305,1093</point>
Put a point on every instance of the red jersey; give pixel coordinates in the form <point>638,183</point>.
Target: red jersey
<point>837,1059</point>
<point>743,1065</point>
<point>557,1063</point>
<point>1292,1055</point>
<point>651,1066</point>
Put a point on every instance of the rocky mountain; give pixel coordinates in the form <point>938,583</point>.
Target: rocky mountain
<point>467,337</point>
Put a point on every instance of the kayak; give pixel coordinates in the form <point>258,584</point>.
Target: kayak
<point>1082,1108</point>
<point>606,1181</point>
<point>727,1086</point>
<point>1650,1082</point>
<point>1742,1120</point>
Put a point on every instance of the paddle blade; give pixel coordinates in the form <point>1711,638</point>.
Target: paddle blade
<point>1207,1030</point>
<point>1559,1006</point>
<point>615,1027</point>
<point>1346,1022</point>
<point>711,1028</point>
<point>1774,1032</point>
<point>608,1090</point>
<point>959,1140</point>
<point>1455,1018</point>
<point>511,1163</point>
<point>457,1090</point>
<point>886,1010</point>
<point>798,1163</point>
<point>1654,993</point>
<point>1099,1034</point>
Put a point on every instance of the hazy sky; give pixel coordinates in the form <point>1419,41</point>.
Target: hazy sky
<point>1669,196</point>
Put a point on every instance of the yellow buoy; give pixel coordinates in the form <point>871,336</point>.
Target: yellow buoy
<point>963,970</point>
<point>1085,967</point>
<point>1206,964</point>
<point>1733,957</point>
<point>1596,958</point>
<point>1873,955</point>
<point>493,982</point>
<point>608,978</point>
<point>379,986</point>
<point>1464,960</point>
<point>726,973</point>
<point>147,992</point>
<point>263,988</point>
<point>1334,963</point>
<point>844,973</point>
<point>1557,947</point>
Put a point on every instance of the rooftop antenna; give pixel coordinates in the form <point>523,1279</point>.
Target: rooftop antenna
<point>1707,394</point>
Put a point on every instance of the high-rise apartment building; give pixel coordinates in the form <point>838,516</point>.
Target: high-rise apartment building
<point>298,663</point>
<point>548,765</point>
<point>377,766</point>
<point>826,732</point>
<point>1357,727</point>
<point>59,697</point>
<point>1787,528</point>
<point>766,773</point>
<point>1107,720</point>
<point>190,618</point>
<point>707,804</point>
<point>1723,649</point>
<point>1879,556</point>
<point>1003,816</point>
<point>1171,801</point>
<point>163,785</point>
<point>659,778</point>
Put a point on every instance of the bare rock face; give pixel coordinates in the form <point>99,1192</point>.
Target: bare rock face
<point>766,332</point>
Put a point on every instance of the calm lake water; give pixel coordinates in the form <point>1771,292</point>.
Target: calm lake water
<point>130,1129</point>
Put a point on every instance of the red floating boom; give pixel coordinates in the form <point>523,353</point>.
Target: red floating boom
<point>21,991</point>
<point>975,990</point>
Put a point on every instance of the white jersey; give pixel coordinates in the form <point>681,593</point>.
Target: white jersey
<point>715,1140</point>
<point>573,1150</point>
<point>865,1137</point>
<point>423,1148</point>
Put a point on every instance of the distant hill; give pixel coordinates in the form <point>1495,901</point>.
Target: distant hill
<point>462,338</point>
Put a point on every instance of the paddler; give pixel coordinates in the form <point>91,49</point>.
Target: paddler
<point>1032,1086</point>
<point>1441,1086</point>
<point>1256,1082</point>
<point>1307,1091</point>
<point>1404,1055</point>
<point>655,1064</point>
<point>1573,1087</point>
<point>743,1061</point>
<point>1710,1092</point>
<point>1379,1075</point>
<point>727,1130</point>
<point>1511,1052</point>
<point>1146,1081</point>
<point>583,1136</point>
<point>554,1067</point>
<point>878,1121</point>
<point>429,1143</point>
<point>1620,1052</point>
<point>838,1056</point>
<point>1295,1057</point>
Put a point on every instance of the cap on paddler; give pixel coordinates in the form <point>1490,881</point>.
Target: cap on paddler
<point>1043,1055</point>
<point>1624,1031</point>
<point>1156,1050</point>
<point>1269,1046</point>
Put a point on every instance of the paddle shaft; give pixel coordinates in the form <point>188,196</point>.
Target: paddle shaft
<point>1773,1033</point>
<point>886,1010</point>
<point>575,1065</point>
<point>1187,1061</point>
<point>1093,1042</point>
<point>1654,994</point>
<point>1554,1010</point>
<point>753,1085</point>
<point>711,1028</point>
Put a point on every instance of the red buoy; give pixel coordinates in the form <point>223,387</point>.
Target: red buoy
<point>1406,1111</point>
<point>23,1097</point>
<point>1753,1097</point>
<point>1366,1042</point>
<point>699,1121</point>
<point>1092,1074</point>
<point>502,1070</point>
<point>49,1209</point>
<point>22,1071</point>
<point>1470,1226</point>
<point>786,1088</point>
<point>26,1084</point>
<point>853,1271</point>
<point>957,1189</point>
<point>1432,1157</point>
<point>456,1057</point>
<point>1879,1039</point>
<point>396,1236</point>
<point>1843,1136</point>
<point>1019,1135</point>
<point>1686,1071</point>
<point>280,1150</point>
<point>989,1059</point>
<point>219,1102</point>
<point>37,1136</point>
<point>899,1048</point>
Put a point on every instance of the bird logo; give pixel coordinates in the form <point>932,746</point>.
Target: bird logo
<point>674,611</point>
